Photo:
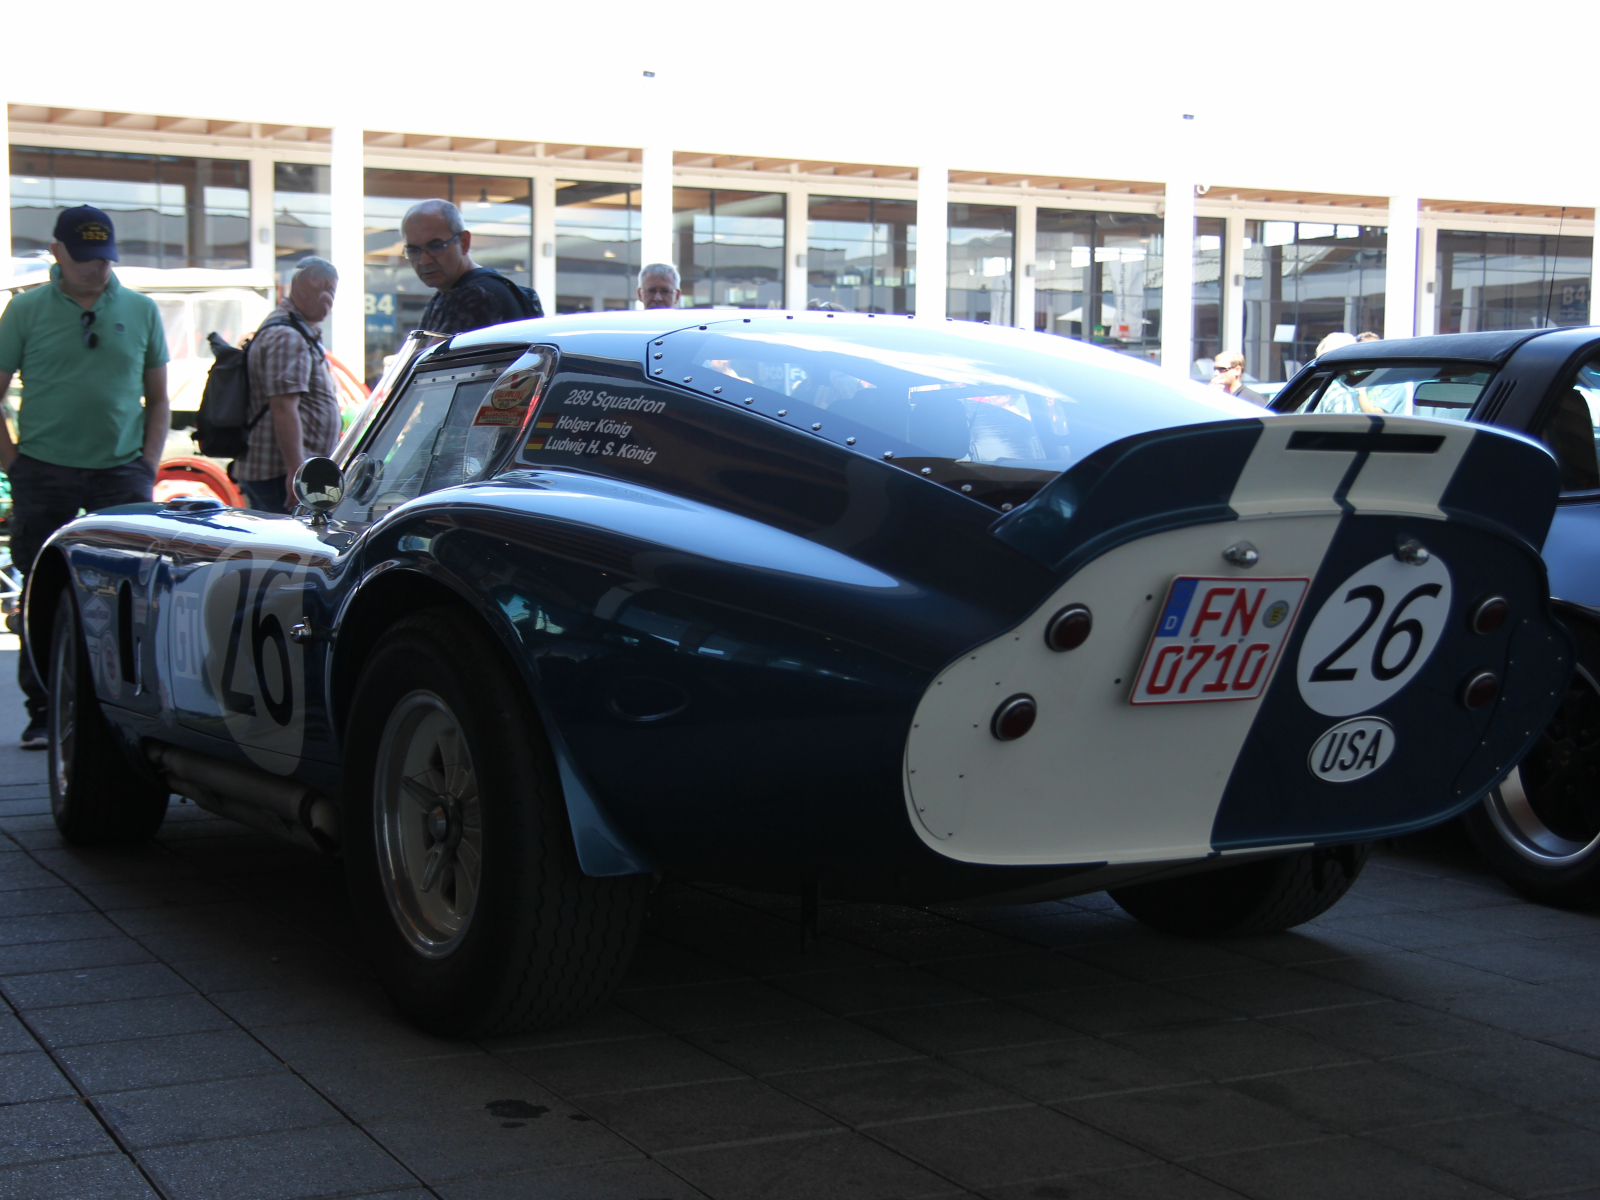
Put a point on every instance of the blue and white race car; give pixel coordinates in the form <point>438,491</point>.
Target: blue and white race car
<point>874,607</point>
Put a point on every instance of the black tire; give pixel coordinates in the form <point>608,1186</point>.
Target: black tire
<point>1264,896</point>
<point>1540,829</point>
<point>96,797</point>
<point>526,939</point>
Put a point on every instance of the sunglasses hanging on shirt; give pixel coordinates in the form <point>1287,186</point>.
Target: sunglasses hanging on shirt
<point>91,339</point>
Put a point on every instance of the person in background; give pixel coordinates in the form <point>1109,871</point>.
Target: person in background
<point>293,404</point>
<point>1335,341</point>
<point>659,286</point>
<point>1368,336</point>
<point>1227,373</point>
<point>89,350</point>
<point>438,246</point>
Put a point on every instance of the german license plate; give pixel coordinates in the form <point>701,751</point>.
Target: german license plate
<point>1217,639</point>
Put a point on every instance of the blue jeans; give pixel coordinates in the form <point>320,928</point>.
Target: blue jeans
<point>265,495</point>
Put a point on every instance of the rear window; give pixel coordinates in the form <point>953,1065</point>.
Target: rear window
<point>951,400</point>
<point>1446,391</point>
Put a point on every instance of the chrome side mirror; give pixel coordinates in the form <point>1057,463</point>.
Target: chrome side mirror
<point>319,486</point>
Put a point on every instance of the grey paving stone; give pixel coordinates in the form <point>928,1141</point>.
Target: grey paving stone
<point>1268,991</point>
<point>1531,1010</point>
<point>1020,972</point>
<point>661,964</point>
<point>1127,1008</point>
<point>1235,1049</point>
<point>1388,1029</point>
<point>1336,1169</point>
<point>50,1129</point>
<point>152,1062</point>
<point>1204,1118</point>
<point>370,1090</point>
<point>101,1177</point>
<point>1529,961</point>
<point>1430,894</point>
<point>1162,1181</point>
<point>1404,975</point>
<point>925,945</point>
<point>958,1028</point>
<point>329,1043</point>
<point>78,864</point>
<point>41,901</point>
<point>276,1166</point>
<point>893,1091</point>
<point>27,958</point>
<point>1304,945</point>
<point>1527,1073</point>
<point>603,1024</point>
<point>467,1143</point>
<point>1411,930</point>
<point>14,1038</point>
<point>989,1150</point>
<point>594,1181</point>
<point>52,989</point>
<point>55,927</point>
<point>716,1004</point>
<point>30,1075</point>
<point>351,1000</point>
<point>1534,921</point>
<point>1361,1097</point>
<point>618,1066</point>
<point>1153,959</point>
<point>156,893</point>
<point>703,1114</point>
<point>24,807</point>
<point>121,1020</point>
<point>874,989</point>
<point>1066,1070</point>
<point>1520,1154</point>
<point>798,1045</point>
<point>19,871</point>
<point>854,1168</point>
<point>273,968</point>
<point>194,1112</point>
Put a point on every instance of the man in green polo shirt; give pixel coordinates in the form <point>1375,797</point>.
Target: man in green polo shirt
<point>88,349</point>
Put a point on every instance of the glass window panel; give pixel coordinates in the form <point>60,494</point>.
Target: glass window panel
<point>1209,236</point>
<point>301,216</point>
<point>597,246</point>
<point>1303,282</point>
<point>169,211</point>
<point>729,247</point>
<point>1511,281</point>
<point>1113,256</point>
<point>981,261</point>
<point>861,254</point>
<point>1447,392</point>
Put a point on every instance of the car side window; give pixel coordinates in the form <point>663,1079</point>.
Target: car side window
<point>1571,429</point>
<point>434,436</point>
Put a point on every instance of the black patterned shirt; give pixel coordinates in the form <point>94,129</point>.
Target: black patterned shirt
<point>471,304</point>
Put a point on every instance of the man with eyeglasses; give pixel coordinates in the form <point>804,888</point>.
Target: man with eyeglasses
<point>438,246</point>
<point>94,413</point>
<point>1227,373</point>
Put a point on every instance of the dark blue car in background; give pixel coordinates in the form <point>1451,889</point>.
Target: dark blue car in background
<point>879,608</point>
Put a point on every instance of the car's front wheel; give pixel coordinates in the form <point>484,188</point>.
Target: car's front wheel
<point>1265,895</point>
<point>459,855</point>
<point>1540,829</point>
<point>95,798</point>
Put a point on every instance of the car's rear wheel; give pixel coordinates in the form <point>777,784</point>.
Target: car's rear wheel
<point>95,798</point>
<point>1540,829</point>
<point>1263,896</point>
<point>459,855</point>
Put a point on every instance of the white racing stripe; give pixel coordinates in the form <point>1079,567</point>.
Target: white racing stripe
<point>1098,779</point>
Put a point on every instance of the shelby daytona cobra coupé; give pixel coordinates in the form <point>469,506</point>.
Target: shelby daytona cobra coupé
<point>895,608</point>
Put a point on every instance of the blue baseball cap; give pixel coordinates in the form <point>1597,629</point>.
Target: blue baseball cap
<point>87,233</point>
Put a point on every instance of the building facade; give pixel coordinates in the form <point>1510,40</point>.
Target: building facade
<point>228,205</point>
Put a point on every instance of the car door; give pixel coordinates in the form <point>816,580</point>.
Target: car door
<point>1570,427</point>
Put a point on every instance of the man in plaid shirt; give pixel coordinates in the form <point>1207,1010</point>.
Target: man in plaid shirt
<point>293,405</point>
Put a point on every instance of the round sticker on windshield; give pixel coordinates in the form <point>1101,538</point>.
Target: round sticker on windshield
<point>1372,635</point>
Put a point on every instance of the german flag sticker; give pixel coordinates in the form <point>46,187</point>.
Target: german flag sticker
<point>545,423</point>
<point>535,443</point>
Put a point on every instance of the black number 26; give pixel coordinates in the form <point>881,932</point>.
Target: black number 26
<point>1411,628</point>
<point>265,631</point>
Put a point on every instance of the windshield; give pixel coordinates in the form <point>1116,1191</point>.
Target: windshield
<point>953,400</point>
<point>1447,391</point>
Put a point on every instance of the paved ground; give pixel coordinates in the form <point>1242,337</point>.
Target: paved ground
<point>193,1020</point>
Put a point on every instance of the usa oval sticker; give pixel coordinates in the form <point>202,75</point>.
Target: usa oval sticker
<point>1352,749</point>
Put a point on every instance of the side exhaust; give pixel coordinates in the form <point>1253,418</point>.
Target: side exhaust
<point>264,802</point>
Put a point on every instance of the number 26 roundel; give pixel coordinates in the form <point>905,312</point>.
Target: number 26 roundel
<point>1372,635</point>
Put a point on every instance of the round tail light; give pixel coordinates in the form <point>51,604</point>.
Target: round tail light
<point>1013,718</point>
<point>1069,628</point>
<point>1490,615</point>
<point>1480,690</point>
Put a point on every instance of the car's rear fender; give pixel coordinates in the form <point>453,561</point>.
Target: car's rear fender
<point>1316,498</point>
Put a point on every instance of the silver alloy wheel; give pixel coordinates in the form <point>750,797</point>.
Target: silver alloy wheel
<point>1517,820</point>
<point>428,823</point>
<point>63,718</point>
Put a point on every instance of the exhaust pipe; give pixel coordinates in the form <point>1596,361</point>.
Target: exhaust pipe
<point>265,802</point>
